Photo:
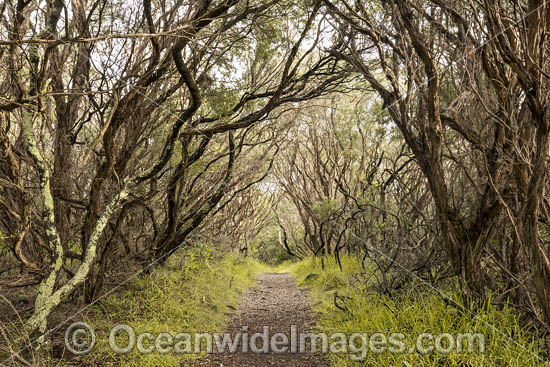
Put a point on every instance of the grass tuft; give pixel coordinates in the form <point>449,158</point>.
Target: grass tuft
<point>415,311</point>
<point>193,293</point>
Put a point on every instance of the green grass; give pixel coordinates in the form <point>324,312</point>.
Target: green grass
<point>413,312</point>
<point>195,292</point>
<point>192,293</point>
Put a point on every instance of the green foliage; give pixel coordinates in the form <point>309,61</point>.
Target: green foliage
<point>222,99</point>
<point>326,208</point>
<point>267,248</point>
<point>194,292</point>
<point>412,313</point>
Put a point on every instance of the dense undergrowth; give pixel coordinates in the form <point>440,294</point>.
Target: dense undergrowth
<point>418,310</point>
<point>193,293</point>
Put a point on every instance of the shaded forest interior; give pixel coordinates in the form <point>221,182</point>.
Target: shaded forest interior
<point>412,136</point>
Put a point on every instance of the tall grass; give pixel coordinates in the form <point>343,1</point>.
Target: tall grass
<point>193,293</point>
<point>412,312</point>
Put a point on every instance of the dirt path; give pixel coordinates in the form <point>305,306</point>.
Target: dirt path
<point>277,303</point>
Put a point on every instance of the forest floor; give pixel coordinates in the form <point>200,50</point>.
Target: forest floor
<point>195,295</point>
<point>276,302</point>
